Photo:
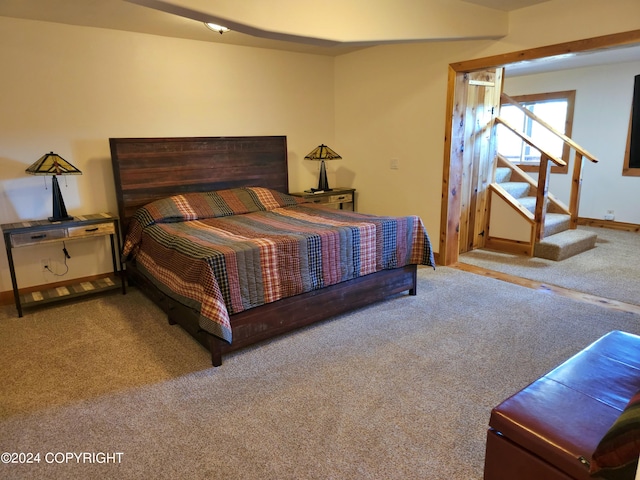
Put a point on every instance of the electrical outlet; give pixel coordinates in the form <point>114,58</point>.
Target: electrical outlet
<point>45,263</point>
<point>609,215</point>
<point>394,164</point>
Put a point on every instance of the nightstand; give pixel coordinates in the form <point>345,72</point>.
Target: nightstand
<point>22,234</point>
<point>336,196</point>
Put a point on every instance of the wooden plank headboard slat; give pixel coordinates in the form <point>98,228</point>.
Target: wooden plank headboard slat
<point>147,169</point>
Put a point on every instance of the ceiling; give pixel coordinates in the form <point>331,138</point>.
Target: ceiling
<point>184,19</point>
<point>253,23</point>
<point>621,54</point>
<point>506,5</point>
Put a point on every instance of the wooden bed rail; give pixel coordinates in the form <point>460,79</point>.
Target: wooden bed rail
<point>261,323</point>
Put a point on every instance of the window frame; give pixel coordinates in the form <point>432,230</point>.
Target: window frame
<point>570,97</point>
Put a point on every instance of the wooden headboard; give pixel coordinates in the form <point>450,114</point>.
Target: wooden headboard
<point>147,169</point>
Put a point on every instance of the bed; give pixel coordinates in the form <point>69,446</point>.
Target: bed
<point>213,238</point>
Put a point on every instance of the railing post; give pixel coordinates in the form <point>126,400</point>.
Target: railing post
<point>542,196</point>
<point>576,186</point>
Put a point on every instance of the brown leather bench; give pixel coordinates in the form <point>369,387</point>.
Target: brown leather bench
<point>550,429</point>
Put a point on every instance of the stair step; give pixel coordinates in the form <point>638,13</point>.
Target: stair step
<point>516,189</point>
<point>503,174</point>
<point>559,240</point>
<point>555,223</point>
<point>565,244</point>
<point>529,203</point>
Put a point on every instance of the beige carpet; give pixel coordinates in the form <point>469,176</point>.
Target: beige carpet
<point>399,390</point>
<point>610,270</point>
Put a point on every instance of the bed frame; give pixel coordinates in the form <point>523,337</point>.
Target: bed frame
<point>147,169</point>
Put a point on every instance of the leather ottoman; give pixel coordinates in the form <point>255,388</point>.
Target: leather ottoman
<point>549,429</point>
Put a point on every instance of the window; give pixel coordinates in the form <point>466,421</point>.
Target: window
<point>554,108</point>
<point>631,166</point>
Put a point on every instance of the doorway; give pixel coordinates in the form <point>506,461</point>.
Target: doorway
<point>452,219</point>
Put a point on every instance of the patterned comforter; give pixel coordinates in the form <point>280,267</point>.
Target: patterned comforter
<point>227,251</point>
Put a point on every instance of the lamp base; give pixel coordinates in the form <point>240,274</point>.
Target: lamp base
<point>323,183</point>
<point>59,210</point>
<point>60,219</point>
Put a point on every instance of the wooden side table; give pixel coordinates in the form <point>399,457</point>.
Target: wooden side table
<point>21,234</point>
<point>336,196</point>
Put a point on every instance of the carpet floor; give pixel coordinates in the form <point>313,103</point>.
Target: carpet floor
<point>401,389</point>
<point>609,270</point>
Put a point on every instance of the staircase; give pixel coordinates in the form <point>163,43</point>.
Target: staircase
<point>544,227</point>
<point>559,241</point>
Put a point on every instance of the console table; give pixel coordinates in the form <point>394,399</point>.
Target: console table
<point>22,234</point>
<point>337,196</point>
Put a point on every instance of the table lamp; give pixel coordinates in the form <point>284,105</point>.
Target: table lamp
<point>322,153</point>
<point>53,164</point>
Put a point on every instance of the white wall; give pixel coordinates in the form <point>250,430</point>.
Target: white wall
<point>391,101</point>
<point>390,104</point>
<point>69,89</point>
<point>600,125</point>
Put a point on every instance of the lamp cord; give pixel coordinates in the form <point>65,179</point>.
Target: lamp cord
<point>66,267</point>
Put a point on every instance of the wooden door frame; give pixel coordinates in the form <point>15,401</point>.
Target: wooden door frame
<point>451,176</point>
<point>478,156</point>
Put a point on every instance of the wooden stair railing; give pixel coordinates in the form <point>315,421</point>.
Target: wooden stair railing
<point>543,178</point>
<point>519,175</point>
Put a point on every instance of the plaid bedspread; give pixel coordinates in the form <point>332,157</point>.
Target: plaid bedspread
<point>227,251</point>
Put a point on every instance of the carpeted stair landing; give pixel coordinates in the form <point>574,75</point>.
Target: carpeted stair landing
<point>560,242</point>
<point>564,244</point>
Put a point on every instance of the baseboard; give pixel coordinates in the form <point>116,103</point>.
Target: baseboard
<point>595,222</point>
<point>6,298</point>
<point>508,246</point>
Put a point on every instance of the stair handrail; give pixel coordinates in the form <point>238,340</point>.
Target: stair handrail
<point>543,173</point>
<point>506,98</point>
<point>527,139</point>
<point>542,192</point>
<point>557,204</point>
